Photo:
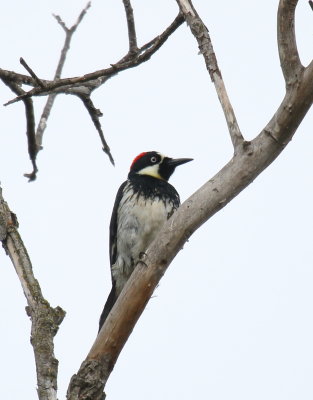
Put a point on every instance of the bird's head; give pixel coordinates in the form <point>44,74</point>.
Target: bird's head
<point>155,164</point>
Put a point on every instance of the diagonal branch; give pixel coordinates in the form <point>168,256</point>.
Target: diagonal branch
<point>31,72</point>
<point>201,33</point>
<point>95,113</point>
<point>286,38</point>
<point>45,319</point>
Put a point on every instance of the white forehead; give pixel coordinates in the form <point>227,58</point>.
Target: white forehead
<point>162,156</point>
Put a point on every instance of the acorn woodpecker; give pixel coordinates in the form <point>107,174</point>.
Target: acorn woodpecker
<point>143,203</point>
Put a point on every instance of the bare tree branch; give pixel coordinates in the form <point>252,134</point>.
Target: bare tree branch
<point>95,113</point>
<point>201,33</point>
<point>45,319</point>
<point>50,100</point>
<point>311,4</point>
<point>132,38</point>
<point>31,72</point>
<point>14,81</point>
<point>30,124</point>
<point>287,46</point>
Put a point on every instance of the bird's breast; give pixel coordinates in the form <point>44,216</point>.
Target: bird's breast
<point>139,219</point>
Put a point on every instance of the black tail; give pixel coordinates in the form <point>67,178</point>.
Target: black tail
<point>108,306</point>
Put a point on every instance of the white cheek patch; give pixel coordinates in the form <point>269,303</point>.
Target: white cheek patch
<point>151,170</point>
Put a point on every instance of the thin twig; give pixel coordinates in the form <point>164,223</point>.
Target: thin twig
<point>95,113</point>
<point>50,100</point>
<point>132,38</point>
<point>45,319</point>
<point>30,130</point>
<point>201,33</point>
<point>311,4</point>
<point>31,72</point>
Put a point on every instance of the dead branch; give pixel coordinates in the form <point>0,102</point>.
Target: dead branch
<point>45,319</point>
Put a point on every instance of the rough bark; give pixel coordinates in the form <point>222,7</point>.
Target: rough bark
<point>45,319</point>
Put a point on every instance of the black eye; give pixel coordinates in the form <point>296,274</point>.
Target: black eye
<point>153,159</point>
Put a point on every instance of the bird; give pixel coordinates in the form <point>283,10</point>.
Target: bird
<point>142,205</point>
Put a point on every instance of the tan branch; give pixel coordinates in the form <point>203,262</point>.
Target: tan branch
<point>45,319</point>
<point>201,33</point>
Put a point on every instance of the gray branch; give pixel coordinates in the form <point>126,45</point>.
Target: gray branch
<point>287,46</point>
<point>132,37</point>
<point>45,319</point>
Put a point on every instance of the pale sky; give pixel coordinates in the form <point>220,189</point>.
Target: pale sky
<point>232,317</point>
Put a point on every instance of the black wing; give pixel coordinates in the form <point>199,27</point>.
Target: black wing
<point>108,306</point>
<point>113,231</point>
<point>113,224</point>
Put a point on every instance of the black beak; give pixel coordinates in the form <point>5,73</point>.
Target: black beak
<point>174,162</point>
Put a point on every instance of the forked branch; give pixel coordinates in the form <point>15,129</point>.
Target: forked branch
<point>50,100</point>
